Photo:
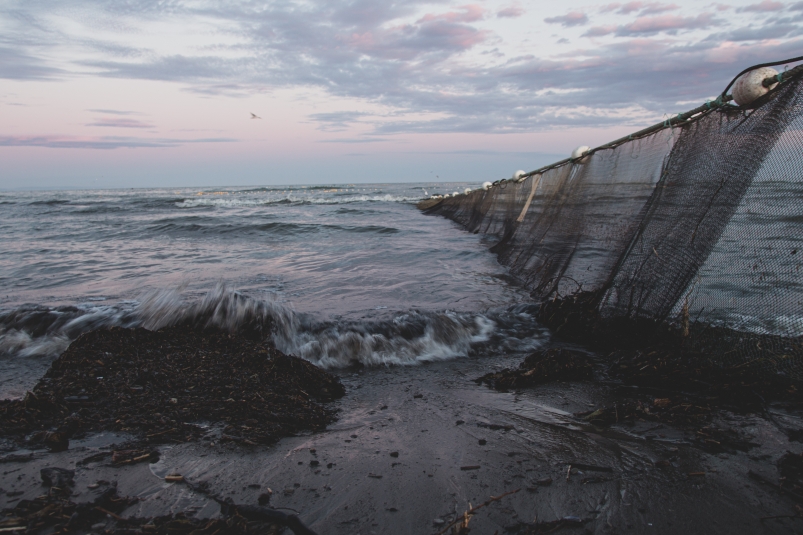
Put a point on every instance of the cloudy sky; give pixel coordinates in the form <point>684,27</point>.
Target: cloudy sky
<point>137,93</point>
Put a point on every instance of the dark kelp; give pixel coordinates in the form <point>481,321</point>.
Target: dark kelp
<point>160,385</point>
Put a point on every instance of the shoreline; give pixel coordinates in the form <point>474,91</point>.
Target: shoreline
<point>458,443</point>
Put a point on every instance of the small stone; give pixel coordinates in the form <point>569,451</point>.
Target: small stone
<point>394,453</point>
<point>459,422</point>
<point>438,522</point>
<point>482,442</point>
<point>314,463</point>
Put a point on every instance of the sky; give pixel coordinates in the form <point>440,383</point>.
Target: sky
<point>146,93</point>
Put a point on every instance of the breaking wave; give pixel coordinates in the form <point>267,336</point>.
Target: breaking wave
<point>404,339</point>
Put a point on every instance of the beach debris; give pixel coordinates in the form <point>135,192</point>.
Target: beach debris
<point>133,456</point>
<point>49,514</point>
<point>59,479</point>
<point>375,476</point>
<point>591,467</point>
<point>243,385</point>
<point>174,478</point>
<point>463,519</point>
<point>471,467</point>
<point>56,441</point>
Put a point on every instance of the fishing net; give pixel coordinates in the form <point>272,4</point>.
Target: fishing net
<point>697,226</point>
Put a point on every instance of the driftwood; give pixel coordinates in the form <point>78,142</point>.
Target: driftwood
<point>467,514</point>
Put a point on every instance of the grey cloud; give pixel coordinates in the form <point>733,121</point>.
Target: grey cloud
<point>644,8</point>
<point>630,7</point>
<point>115,112</point>
<point>654,8</point>
<point>764,6</point>
<point>599,31</point>
<point>573,18</point>
<point>774,30</point>
<point>354,140</point>
<point>17,65</point>
<point>106,142</point>
<point>666,23</point>
<point>796,7</point>
<point>118,122</point>
<point>338,120</point>
<point>170,68</point>
<point>358,50</point>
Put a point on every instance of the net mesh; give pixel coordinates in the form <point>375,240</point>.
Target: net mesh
<point>698,225</point>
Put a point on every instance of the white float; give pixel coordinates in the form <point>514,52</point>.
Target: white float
<point>517,176</point>
<point>455,194</point>
<point>580,151</point>
<point>486,186</point>
<point>467,191</point>
<point>750,85</point>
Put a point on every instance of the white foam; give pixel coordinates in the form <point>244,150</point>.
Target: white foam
<point>407,339</point>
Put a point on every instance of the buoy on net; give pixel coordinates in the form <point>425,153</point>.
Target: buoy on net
<point>486,186</point>
<point>517,176</point>
<point>455,194</point>
<point>750,85</point>
<point>467,191</point>
<point>580,151</point>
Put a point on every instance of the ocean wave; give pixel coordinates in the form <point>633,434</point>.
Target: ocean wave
<point>50,202</point>
<point>405,339</point>
<point>294,199</point>
<point>198,224</point>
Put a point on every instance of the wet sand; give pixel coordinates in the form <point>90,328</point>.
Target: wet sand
<point>352,484</point>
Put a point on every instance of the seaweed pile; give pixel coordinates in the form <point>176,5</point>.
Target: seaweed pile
<point>673,385</point>
<point>553,364</point>
<point>173,385</point>
<point>55,513</point>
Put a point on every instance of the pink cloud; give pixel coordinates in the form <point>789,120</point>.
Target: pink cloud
<point>573,18</point>
<point>764,6</point>
<point>599,31</point>
<point>665,23</point>
<point>610,7</point>
<point>656,7</point>
<point>510,12</point>
<point>630,7</point>
<point>469,13</point>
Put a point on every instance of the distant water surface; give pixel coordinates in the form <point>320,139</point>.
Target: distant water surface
<point>347,273</point>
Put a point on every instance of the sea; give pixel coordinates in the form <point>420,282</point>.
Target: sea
<point>347,274</point>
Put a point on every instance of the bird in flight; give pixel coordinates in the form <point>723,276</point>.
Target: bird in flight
<point>255,116</point>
